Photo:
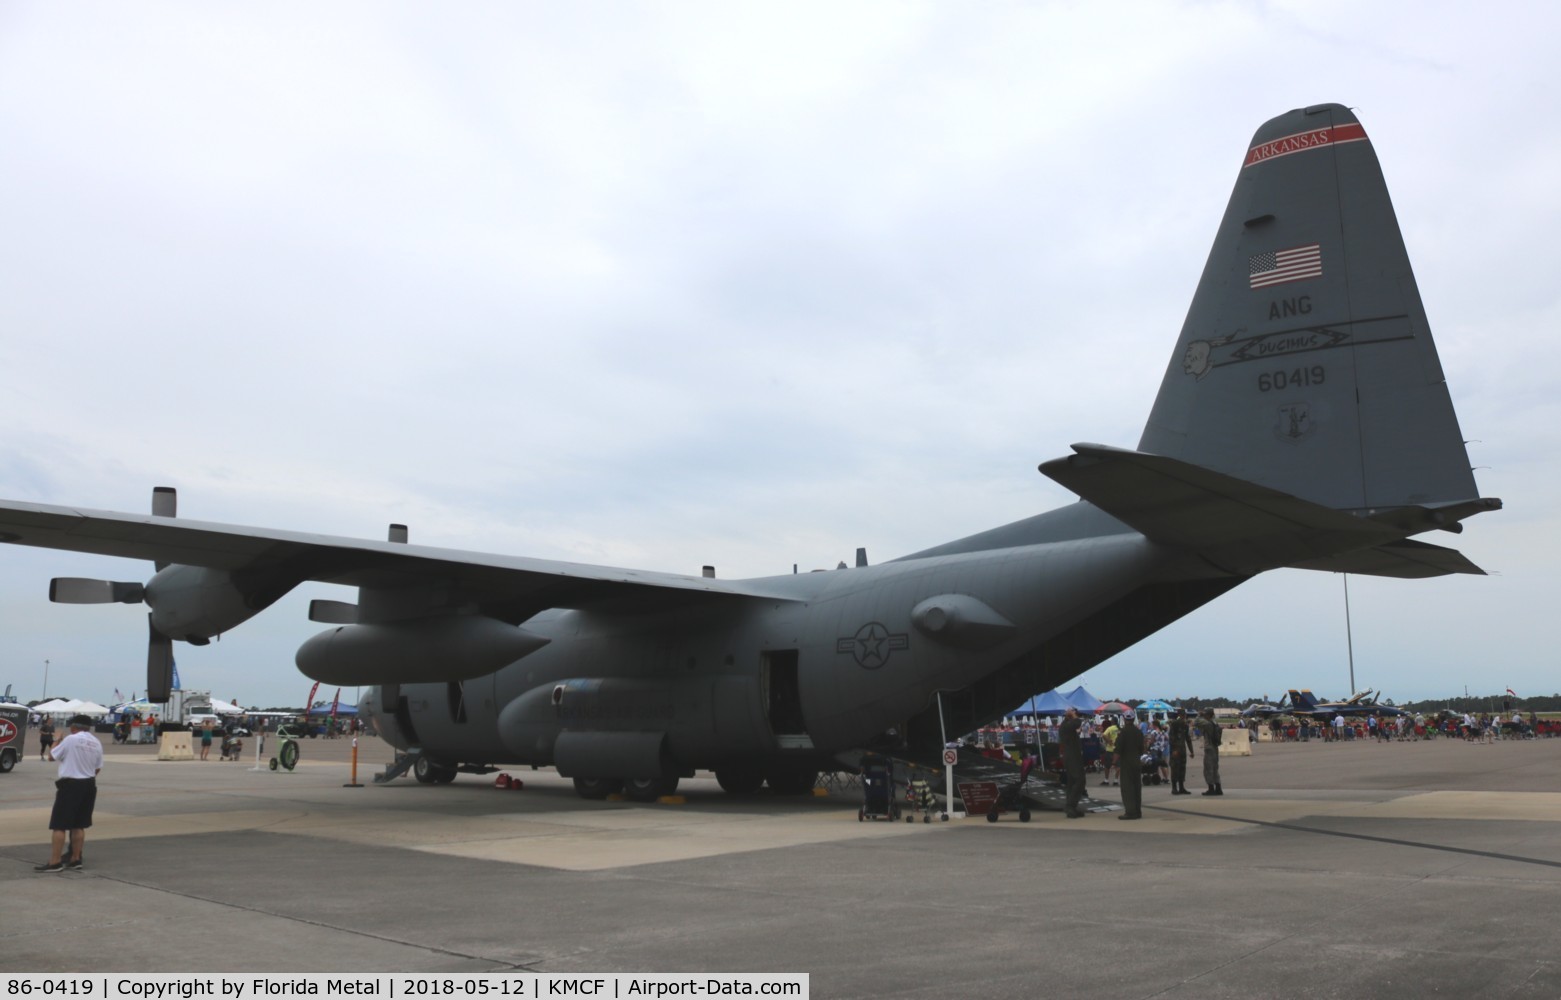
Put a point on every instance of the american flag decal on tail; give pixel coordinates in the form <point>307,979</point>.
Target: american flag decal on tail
<point>1276,267</point>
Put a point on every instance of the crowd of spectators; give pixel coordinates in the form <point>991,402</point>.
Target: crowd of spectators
<point>1012,741</point>
<point>1468,726</point>
<point>1015,738</point>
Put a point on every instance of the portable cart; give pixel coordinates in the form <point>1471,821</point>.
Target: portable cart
<point>1010,795</point>
<point>287,754</point>
<point>1010,798</point>
<point>877,789</point>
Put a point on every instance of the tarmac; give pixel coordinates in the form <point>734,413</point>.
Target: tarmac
<point>1353,869</point>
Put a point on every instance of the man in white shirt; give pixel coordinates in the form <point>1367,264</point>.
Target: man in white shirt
<point>76,792</point>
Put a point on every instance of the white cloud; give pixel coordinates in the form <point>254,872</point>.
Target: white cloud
<point>662,286</point>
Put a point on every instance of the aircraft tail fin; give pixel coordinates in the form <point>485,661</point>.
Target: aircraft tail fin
<point>1306,364</point>
<point>1303,700</point>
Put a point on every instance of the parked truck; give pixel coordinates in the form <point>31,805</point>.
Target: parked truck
<point>13,732</point>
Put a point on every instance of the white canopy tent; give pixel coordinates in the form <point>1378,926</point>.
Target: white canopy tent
<point>74,706</point>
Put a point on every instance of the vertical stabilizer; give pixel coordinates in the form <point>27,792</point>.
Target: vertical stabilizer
<point>1306,364</point>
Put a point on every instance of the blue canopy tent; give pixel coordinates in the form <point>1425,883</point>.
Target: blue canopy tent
<point>1156,706</point>
<point>1082,699</point>
<point>324,708</point>
<point>1050,703</point>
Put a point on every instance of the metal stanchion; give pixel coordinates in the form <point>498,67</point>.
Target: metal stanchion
<point>260,748</point>
<point>354,782</point>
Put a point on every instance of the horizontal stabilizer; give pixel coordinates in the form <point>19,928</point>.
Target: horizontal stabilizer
<point>1404,560</point>
<point>1239,526</point>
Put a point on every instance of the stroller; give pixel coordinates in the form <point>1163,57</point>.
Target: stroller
<point>1010,795</point>
<point>1150,763</point>
<point>877,790</point>
<point>921,798</point>
<point>232,746</point>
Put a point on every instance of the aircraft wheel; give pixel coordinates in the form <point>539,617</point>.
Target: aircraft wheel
<point>1024,815</point>
<point>444,775</point>
<point>911,818</point>
<point>425,770</point>
<point>739,780</point>
<point>648,789</point>
<point>927,818</point>
<point>944,817</point>
<point>991,817</point>
<point>596,788</point>
<point>791,782</point>
<point>289,755</point>
<point>274,764</point>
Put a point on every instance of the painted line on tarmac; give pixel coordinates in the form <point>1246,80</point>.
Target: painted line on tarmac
<point>1395,841</point>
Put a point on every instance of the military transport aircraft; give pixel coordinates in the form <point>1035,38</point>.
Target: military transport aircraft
<point>1303,421</point>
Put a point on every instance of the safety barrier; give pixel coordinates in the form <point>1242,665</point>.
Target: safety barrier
<point>1236,743</point>
<point>175,746</point>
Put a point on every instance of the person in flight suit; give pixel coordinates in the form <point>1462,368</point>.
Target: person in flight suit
<point>1072,761</point>
<point>1181,752</point>
<point>1212,735</point>
<point>1130,750</point>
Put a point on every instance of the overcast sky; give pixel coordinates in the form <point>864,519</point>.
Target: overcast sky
<point>665,285</point>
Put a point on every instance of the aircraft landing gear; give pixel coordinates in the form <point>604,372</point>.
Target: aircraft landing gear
<point>792,782</point>
<point>739,780</point>
<point>634,789</point>
<point>597,788</point>
<point>649,789</point>
<point>430,773</point>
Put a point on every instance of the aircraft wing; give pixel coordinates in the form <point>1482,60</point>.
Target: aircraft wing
<point>510,588</point>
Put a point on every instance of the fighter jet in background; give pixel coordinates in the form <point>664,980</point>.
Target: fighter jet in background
<point>1303,421</point>
<point>1358,705</point>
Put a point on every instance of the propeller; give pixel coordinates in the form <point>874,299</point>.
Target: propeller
<point>81,590</point>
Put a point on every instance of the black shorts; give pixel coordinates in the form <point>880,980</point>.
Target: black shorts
<point>73,802</point>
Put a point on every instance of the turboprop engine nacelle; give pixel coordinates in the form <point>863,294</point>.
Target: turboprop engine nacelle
<point>456,648</point>
<point>194,603</point>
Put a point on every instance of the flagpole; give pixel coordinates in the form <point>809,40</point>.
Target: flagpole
<point>1349,638</point>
